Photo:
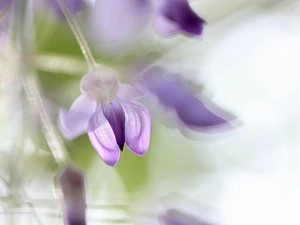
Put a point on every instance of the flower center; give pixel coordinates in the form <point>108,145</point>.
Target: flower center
<point>101,84</point>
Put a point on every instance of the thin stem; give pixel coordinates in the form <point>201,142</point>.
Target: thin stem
<point>23,41</point>
<point>86,51</point>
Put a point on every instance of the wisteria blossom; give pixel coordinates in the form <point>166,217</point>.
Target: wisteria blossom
<point>111,118</point>
<point>115,22</point>
<point>71,182</point>
<point>194,112</point>
<point>173,16</point>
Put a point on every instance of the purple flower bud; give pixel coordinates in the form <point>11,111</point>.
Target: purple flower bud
<point>173,93</point>
<point>110,117</point>
<point>72,185</point>
<point>173,16</point>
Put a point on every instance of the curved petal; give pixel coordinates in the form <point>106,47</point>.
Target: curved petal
<point>194,112</point>
<point>137,127</point>
<point>177,15</point>
<point>115,115</point>
<point>164,26</point>
<point>74,122</point>
<point>103,139</point>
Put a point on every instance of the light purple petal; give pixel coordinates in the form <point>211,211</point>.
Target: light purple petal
<point>74,122</point>
<point>164,26</point>
<point>137,127</point>
<point>127,92</point>
<point>103,139</point>
<point>115,22</point>
<point>115,115</point>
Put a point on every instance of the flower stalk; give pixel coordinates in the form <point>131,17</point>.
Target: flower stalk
<point>23,42</point>
<point>86,51</point>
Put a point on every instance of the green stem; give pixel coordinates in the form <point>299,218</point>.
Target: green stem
<point>86,51</point>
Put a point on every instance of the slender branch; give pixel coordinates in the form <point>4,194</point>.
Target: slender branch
<point>24,46</point>
<point>86,51</point>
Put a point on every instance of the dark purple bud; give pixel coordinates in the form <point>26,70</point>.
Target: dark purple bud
<point>115,115</point>
<point>174,93</point>
<point>72,185</point>
<point>173,16</point>
<point>73,6</point>
<point>174,217</point>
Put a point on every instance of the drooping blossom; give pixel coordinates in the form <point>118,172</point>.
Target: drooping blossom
<point>172,92</point>
<point>107,111</point>
<point>71,181</point>
<point>173,16</point>
<point>73,6</point>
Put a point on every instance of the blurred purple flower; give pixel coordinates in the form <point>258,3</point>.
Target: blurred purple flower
<point>173,16</point>
<point>174,217</point>
<point>172,92</point>
<point>107,112</point>
<point>73,6</point>
<point>115,22</point>
<point>72,184</point>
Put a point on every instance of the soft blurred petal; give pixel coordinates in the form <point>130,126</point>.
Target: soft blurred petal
<point>176,15</point>
<point>103,138</point>
<point>115,22</point>
<point>74,122</point>
<point>115,115</point>
<point>73,6</point>
<point>127,92</point>
<point>137,127</point>
<point>72,185</point>
<point>192,111</point>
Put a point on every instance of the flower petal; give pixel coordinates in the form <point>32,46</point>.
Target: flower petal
<point>115,115</point>
<point>194,112</point>
<point>103,138</point>
<point>137,127</point>
<point>176,15</point>
<point>74,122</point>
<point>127,92</point>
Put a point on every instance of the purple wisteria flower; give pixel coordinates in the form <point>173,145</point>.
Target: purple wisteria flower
<point>173,16</point>
<point>173,92</point>
<point>107,111</point>
<point>72,184</point>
